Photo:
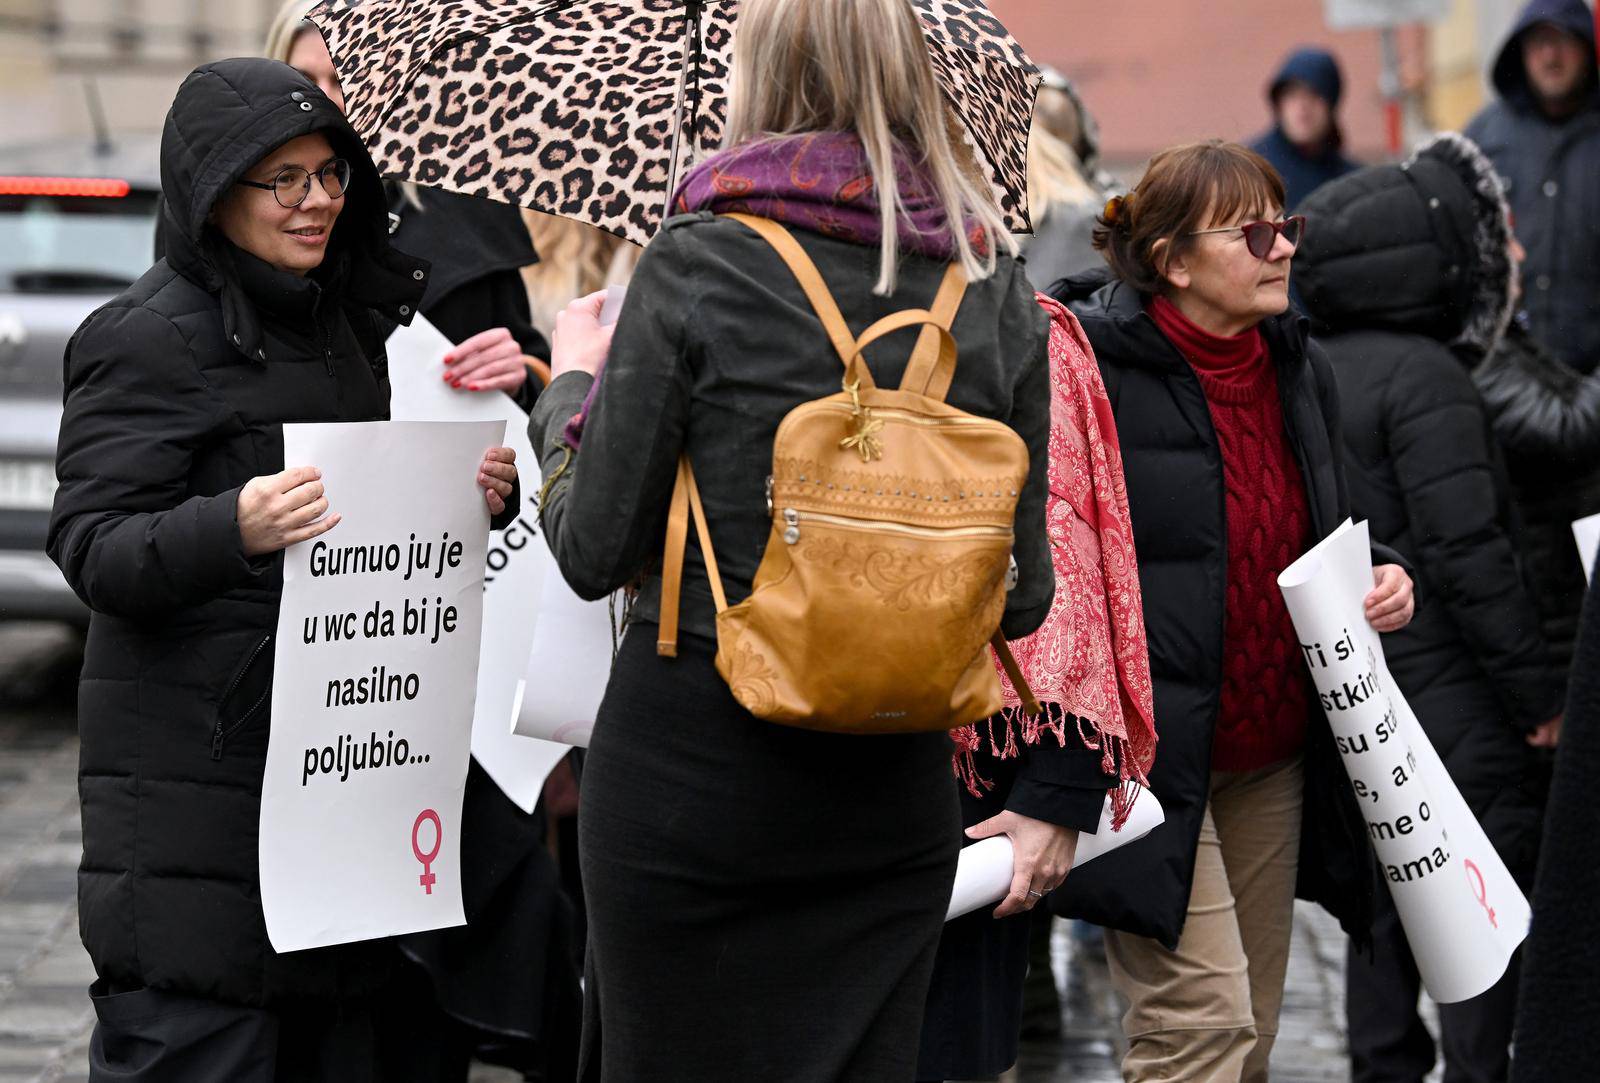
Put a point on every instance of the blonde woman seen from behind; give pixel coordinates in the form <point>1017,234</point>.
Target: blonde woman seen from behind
<point>766,901</point>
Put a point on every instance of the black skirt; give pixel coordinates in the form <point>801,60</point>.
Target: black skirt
<point>765,902</point>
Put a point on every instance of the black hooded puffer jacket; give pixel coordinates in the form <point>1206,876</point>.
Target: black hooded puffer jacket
<point>176,393</point>
<point>1547,420</point>
<point>1407,271</point>
<point>1549,167</point>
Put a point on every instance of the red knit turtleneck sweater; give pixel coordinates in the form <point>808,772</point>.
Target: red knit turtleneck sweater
<point>1262,718</point>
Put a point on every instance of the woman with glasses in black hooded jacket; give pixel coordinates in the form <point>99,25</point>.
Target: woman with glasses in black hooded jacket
<point>271,305</point>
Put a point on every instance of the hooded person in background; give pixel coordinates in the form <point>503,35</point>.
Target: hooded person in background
<point>1403,328</point>
<point>1306,145</point>
<point>1543,135</point>
<point>1066,187</point>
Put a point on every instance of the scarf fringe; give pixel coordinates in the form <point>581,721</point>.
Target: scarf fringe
<point>1116,756</point>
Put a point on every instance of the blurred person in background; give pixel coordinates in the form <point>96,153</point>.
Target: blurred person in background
<point>1543,135</point>
<point>1065,192</point>
<point>1546,418</point>
<point>503,988</point>
<point>1306,144</point>
<point>576,259</point>
<point>1403,333</point>
<point>1227,416</point>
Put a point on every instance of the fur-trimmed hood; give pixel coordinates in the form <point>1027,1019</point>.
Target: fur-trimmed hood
<point>1421,247</point>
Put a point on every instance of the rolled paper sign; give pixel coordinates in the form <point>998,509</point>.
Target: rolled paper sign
<point>983,874</point>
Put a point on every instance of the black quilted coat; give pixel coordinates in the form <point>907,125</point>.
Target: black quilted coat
<point>176,392</point>
<point>1406,268</point>
<point>1547,420</point>
<point>1176,498</point>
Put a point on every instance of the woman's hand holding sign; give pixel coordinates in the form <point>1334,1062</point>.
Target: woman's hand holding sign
<point>1393,602</point>
<point>496,475</point>
<point>488,361</point>
<point>276,511</point>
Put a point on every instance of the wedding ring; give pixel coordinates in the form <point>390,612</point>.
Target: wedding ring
<point>1032,894</point>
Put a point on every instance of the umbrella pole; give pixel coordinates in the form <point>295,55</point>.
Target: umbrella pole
<point>691,41</point>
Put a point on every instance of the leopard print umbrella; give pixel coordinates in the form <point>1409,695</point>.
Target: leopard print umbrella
<point>589,109</point>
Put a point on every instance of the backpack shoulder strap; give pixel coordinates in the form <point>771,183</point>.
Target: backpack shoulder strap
<point>930,371</point>
<point>685,502</point>
<point>810,279</point>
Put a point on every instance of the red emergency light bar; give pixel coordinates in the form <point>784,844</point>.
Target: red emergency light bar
<point>96,187</point>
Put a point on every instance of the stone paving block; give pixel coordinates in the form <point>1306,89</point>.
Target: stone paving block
<point>64,964</point>
<point>36,882</point>
<point>59,1013</point>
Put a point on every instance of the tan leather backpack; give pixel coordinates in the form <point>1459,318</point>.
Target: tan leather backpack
<point>890,555</point>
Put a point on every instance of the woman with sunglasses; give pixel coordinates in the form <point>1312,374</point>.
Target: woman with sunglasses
<point>175,502</point>
<point>1228,419</point>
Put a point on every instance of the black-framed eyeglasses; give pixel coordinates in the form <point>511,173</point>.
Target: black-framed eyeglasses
<point>292,184</point>
<point>1259,237</point>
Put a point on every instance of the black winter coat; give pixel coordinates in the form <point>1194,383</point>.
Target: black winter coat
<point>176,392</point>
<point>1176,497</point>
<point>1547,420</point>
<point>1549,168</point>
<point>1424,467</point>
<point>1556,1038</point>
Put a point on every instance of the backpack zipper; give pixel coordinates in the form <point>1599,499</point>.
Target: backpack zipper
<point>221,734</point>
<point>793,517</point>
<point>912,419</point>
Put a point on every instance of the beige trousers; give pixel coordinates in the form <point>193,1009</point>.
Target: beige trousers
<point>1208,1012</point>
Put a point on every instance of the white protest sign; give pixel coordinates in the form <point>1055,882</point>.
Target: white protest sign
<point>1587,533</point>
<point>569,667</point>
<point>518,562</point>
<point>1463,914</point>
<point>377,650</point>
<point>983,872</point>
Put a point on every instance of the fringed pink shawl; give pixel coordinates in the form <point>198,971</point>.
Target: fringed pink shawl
<point>1088,663</point>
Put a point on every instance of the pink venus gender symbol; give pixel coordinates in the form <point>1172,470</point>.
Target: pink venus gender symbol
<point>1480,890</point>
<point>427,878</point>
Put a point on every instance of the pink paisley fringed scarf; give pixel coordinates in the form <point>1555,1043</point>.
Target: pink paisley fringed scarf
<point>1088,663</point>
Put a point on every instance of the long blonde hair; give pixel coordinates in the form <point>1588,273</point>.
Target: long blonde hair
<point>574,260</point>
<point>1055,176</point>
<point>286,26</point>
<point>861,66</point>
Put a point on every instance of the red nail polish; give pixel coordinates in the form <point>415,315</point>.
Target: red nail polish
<point>472,387</point>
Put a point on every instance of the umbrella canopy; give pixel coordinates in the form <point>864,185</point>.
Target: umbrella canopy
<point>590,109</point>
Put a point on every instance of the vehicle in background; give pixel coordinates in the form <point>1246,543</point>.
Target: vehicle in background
<point>77,226</point>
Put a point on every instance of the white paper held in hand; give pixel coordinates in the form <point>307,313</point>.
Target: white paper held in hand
<point>612,308</point>
<point>1587,533</point>
<point>1462,912</point>
<point>983,873</point>
<point>518,562</point>
<point>375,660</point>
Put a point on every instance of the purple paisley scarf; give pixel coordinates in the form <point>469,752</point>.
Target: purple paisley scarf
<point>821,183</point>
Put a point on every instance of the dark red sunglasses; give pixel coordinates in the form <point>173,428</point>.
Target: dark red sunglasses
<point>1259,237</point>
